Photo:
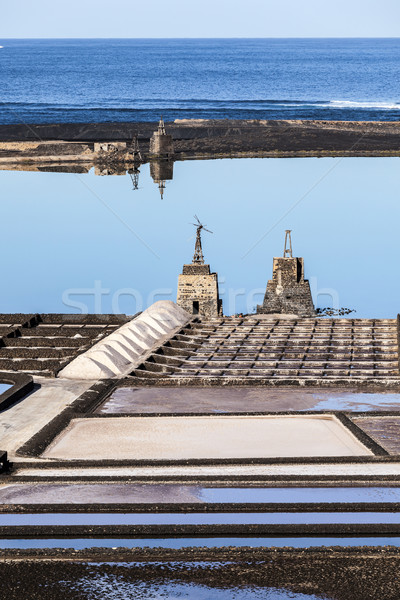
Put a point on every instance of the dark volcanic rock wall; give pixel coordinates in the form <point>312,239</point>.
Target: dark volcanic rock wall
<point>225,136</point>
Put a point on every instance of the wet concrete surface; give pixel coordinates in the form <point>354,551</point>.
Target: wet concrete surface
<point>221,574</point>
<point>98,493</point>
<point>136,400</point>
<point>21,421</point>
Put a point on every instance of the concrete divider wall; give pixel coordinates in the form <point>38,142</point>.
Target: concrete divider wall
<point>126,347</point>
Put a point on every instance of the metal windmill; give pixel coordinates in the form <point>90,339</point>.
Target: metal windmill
<point>135,149</point>
<point>137,161</point>
<point>134,173</point>
<point>198,257</point>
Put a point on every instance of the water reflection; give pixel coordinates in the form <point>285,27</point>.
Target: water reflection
<point>231,518</point>
<point>85,229</point>
<point>161,171</point>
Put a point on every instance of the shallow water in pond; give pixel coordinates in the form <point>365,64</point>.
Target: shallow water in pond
<point>239,518</point>
<point>360,402</point>
<point>129,493</point>
<point>304,494</point>
<point>4,387</point>
<point>128,246</point>
<point>134,400</point>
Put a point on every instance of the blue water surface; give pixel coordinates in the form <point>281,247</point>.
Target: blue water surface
<point>103,80</point>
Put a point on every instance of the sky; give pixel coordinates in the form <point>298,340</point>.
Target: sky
<point>94,243</point>
<point>195,18</point>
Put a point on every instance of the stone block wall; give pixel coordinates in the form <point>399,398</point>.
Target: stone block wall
<point>161,145</point>
<point>198,291</point>
<point>288,292</point>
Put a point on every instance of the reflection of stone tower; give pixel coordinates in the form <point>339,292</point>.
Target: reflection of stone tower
<point>161,171</point>
<point>197,286</point>
<point>288,292</point>
<point>161,142</point>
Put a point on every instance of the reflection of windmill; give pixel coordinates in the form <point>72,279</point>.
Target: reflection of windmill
<point>137,161</point>
<point>134,173</point>
<point>198,257</point>
<point>135,150</point>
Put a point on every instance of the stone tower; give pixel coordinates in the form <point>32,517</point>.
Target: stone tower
<point>161,145</point>
<point>197,286</point>
<point>288,292</point>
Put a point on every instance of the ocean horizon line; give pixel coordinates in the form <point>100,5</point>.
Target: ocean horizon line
<point>206,38</point>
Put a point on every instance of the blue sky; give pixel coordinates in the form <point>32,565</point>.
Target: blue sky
<point>76,230</point>
<point>194,18</point>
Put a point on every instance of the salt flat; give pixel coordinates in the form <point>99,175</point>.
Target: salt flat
<point>205,437</point>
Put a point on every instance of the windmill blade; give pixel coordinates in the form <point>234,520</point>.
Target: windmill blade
<point>197,219</point>
<point>207,230</point>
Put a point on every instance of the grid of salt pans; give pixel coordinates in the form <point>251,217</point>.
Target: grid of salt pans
<point>285,348</point>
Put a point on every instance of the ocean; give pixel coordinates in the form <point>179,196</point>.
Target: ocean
<point>114,80</point>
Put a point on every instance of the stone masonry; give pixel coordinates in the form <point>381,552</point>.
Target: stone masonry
<point>198,291</point>
<point>161,144</point>
<point>288,292</point>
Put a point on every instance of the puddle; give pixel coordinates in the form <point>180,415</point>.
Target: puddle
<point>4,387</point>
<point>242,518</point>
<point>360,402</point>
<point>295,495</point>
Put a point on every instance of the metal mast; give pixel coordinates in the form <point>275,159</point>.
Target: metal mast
<point>287,250</point>
<point>198,257</point>
<point>161,126</point>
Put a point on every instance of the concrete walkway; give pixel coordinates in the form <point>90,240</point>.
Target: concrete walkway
<point>21,421</point>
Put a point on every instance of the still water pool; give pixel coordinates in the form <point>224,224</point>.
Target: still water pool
<point>81,242</point>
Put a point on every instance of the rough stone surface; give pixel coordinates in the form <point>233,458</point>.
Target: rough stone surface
<point>385,430</point>
<point>288,291</point>
<point>245,350</point>
<point>198,285</point>
<point>40,344</point>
